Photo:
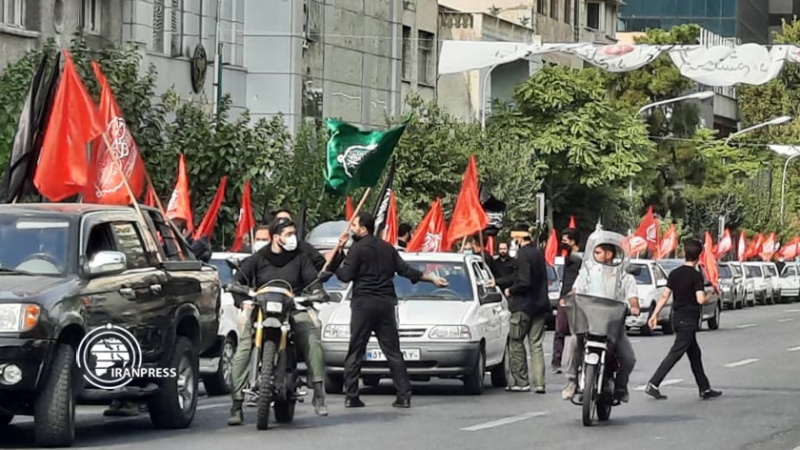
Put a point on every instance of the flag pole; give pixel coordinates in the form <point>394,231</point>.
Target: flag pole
<point>339,244</point>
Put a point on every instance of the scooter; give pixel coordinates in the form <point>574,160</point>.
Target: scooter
<point>278,378</point>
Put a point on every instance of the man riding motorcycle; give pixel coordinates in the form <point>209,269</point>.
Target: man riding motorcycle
<point>280,260</point>
<point>600,276</point>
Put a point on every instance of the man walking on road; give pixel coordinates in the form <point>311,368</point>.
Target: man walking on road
<point>371,265</point>
<point>572,265</point>
<point>526,290</point>
<point>687,287</point>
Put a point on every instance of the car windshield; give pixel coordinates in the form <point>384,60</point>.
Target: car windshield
<point>33,245</point>
<point>459,282</point>
<point>725,272</point>
<point>334,284</point>
<point>225,272</point>
<point>669,266</point>
<point>754,271</point>
<point>643,275</point>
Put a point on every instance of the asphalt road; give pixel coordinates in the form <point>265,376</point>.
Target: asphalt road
<point>754,358</point>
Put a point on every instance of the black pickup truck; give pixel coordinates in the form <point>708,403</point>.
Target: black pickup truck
<point>69,269</point>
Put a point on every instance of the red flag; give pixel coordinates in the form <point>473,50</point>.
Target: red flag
<point>725,244</point>
<point>431,232</point>
<point>206,228</point>
<point>768,248</point>
<point>150,197</point>
<point>755,246</point>
<point>572,222</point>
<point>63,165</point>
<point>790,250</point>
<point>551,248</point>
<point>348,208</point>
<point>742,250</point>
<point>648,230</point>
<point>390,228</point>
<point>668,244</point>
<point>180,204</point>
<point>468,217</point>
<point>106,182</point>
<point>490,245</point>
<point>709,262</point>
<point>247,220</point>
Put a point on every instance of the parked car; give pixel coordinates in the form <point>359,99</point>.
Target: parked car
<point>553,292</point>
<point>790,282</point>
<point>772,271</point>
<point>67,270</point>
<point>747,282</point>
<point>762,282</point>
<point>217,372</point>
<point>650,282</point>
<point>457,332</point>
<point>731,284</point>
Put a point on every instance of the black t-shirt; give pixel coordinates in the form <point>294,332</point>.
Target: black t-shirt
<point>685,282</point>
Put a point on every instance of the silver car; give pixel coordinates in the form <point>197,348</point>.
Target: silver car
<point>731,285</point>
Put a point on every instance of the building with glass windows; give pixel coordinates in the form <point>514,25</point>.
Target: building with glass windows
<point>747,20</point>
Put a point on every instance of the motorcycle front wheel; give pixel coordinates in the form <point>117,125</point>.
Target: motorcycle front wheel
<point>266,383</point>
<point>589,394</point>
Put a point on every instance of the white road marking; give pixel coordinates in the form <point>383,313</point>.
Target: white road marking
<point>747,325</point>
<point>634,341</point>
<point>793,349</point>
<point>506,421</point>
<point>663,383</point>
<point>793,310</point>
<point>788,319</point>
<point>743,362</point>
<point>212,406</point>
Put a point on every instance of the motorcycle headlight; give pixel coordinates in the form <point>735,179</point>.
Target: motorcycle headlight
<point>336,332</point>
<point>450,332</point>
<point>18,317</point>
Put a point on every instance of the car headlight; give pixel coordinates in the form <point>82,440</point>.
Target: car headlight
<point>450,332</point>
<point>18,317</point>
<point>726,288</point>
<point>337,332</point>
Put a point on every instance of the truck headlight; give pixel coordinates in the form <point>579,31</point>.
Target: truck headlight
<point>336,332</point>
<point>450,332</point>
<point>18,317</point>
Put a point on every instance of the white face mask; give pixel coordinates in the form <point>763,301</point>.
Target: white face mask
<point>290,244</point>
<point>259,245</point>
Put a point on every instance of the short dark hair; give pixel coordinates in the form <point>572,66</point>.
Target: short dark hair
<point>609,248</point>
<point>572,234</point>
<point>367,221</point>
<point>262,228</point>
<point>278,225</point>
<point>692,248</point>
<point>404,229</point>
<point>277,211</point>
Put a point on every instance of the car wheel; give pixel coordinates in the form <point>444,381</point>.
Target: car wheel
<point>220,383</point>
<point>500,373</point>
<point>713,323</point>
<point>54,407</point>
<point>473,382</point>
<point>5,419</point>
<point>668,327</point>
<point>334,383</point>
<point>175,403</point>
<point>646,330</point>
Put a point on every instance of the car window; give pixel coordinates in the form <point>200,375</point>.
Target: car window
<point>35,245</point>
<point>460,283</point>
<point>225,272</point>
<point>772,270</point>
<point>789,271</point>
<point>754,271</point>
<point>725,272</point>
<point>737,271</point>
<point>130,243</point>
<point>644,276</point>
<point>659,274</point>
<point>553,278</point>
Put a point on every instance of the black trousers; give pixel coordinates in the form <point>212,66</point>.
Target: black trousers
<point>685,342</point>
<point>374,316</point>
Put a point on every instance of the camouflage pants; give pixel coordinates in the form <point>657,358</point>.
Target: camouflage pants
<point>524,327</point>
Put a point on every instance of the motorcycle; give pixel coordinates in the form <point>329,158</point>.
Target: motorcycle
<point>278,378</point>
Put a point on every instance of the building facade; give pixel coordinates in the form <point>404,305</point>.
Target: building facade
<point>782,10</point>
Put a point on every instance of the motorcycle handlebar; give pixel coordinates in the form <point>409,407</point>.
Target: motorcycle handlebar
<point>237,289</point>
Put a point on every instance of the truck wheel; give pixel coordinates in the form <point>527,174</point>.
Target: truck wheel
<point>176,401</point>
<point>500,373</point>
<point>334,383</point>
<point>473,382</point>
<point>54,407</point>
<point>220,382</point>
<point>5,419</point>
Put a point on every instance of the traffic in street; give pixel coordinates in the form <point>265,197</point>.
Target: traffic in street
<point>752,358</point>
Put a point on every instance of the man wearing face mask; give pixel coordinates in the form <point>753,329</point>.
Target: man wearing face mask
<point>280,260</point>
<point>313,254</point>
<point>572,265</point>
<point>261,238</point>
<point>371,265</point>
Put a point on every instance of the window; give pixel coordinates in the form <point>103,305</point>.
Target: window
<point>593,16</point>
<point>540,6</point>
<point>90,16</point>
<point>101,239</point>
<point>568,11</point>
<point>35,245</point>
<point>168,27</point>
<point>425,58</point>
<point>459,289</point>
<point>129,242</point>
<point>789,271</point>
<point>643,277</point>
<point>554,8</point>
<point>12,13</point>
<point>407,49</point>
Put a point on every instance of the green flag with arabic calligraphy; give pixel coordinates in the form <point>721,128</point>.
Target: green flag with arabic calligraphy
<point>356,158</point>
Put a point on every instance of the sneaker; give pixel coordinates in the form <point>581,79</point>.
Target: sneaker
<point>557,370</point>
<point>654,392</point>
<point>237,416</point>
<point>526,388</point>
<point>709,394</point>
<point>569,390</point>
<point>540,390</point>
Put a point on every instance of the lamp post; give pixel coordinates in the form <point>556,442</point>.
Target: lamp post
<point>776,121</point>
<point>792,152</point>
<point>701,95</point>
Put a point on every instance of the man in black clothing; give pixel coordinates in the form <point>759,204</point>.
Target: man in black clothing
<point>313,254</point>
<point>572,265</point>
<point>504,264</point>
<point>201,248</point>
<point>479,250</point>
<point>687,288</point>
<point>371,265</point>
<point>403,235</point>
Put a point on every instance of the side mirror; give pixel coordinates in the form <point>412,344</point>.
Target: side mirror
<point>634,270</point>
<point>106,263</point>
<point>661,283</point>
<point>491,297</point>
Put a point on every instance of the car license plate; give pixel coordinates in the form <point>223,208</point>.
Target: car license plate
<point>409,354</point>
<point>274,307</point>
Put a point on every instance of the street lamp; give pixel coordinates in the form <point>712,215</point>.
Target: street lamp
<point>702,95</point>
<point>776,121</point>
<point>792,152</point>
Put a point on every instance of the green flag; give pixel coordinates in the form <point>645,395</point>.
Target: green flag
<point>357,158</point>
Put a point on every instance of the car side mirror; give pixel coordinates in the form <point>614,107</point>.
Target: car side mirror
<point>106,263</point>
<point>661,283</point>
<point>491,297</point>
<point>635,271</point>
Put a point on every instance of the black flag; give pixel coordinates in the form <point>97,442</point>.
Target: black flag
<point>17,179</point>
<point>495,209</point>
<point>382,207</point>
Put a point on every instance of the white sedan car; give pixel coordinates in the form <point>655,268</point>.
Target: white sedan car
<point>650,282</point>
<point>789,282</point>
<point>455,332</point>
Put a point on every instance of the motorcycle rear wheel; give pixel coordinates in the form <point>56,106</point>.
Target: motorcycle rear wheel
<point>266,383</point>
<point>589,394</point>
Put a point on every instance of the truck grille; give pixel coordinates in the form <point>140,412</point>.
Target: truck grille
<point>412,332</point>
